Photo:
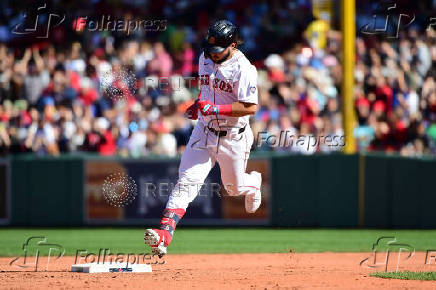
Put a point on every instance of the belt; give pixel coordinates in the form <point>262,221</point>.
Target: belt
<point>221,133</point>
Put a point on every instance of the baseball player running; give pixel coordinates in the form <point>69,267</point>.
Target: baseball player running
<point>228,96</point>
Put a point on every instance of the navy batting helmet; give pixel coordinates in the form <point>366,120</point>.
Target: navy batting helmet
<point>220,35</point>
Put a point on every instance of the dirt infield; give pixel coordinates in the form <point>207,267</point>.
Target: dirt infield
<point>233,271</point>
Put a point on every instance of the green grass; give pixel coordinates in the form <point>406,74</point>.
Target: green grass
<point>406,275</point>
<point>236,240</point>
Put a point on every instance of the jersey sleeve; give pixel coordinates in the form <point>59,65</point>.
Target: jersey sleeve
<point>201,64</point>
<point>246,85</point>
<point>200,72</point>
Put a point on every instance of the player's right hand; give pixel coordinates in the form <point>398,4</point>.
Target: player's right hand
<point>207,108</point>
<point>192,111</point>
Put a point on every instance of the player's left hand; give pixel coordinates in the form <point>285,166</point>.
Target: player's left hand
<point>207,108</point>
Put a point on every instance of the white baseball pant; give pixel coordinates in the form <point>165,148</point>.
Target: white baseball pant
<point>202,151</point>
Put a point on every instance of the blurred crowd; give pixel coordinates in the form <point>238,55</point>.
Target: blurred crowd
<point>56,102</point>
<point>395,94</point>
<point>126,96</point>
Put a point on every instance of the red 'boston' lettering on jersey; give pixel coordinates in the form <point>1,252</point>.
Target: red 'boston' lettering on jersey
<point>204,80</point>
<point>222,85</point>
<point>215,83</point>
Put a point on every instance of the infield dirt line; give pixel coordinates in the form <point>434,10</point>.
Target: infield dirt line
<point>236,271</point>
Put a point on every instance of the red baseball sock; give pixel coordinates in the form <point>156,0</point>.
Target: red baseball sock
<point>168,223</point>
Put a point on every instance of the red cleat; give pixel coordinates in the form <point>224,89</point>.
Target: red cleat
<point>157,240</point>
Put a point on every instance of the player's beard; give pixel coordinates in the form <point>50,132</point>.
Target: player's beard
<point>222,59</point>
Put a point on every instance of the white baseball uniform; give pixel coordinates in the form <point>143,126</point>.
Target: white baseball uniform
<point>233,80</point>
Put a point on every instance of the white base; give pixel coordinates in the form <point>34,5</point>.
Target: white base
<point>111,267</point>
